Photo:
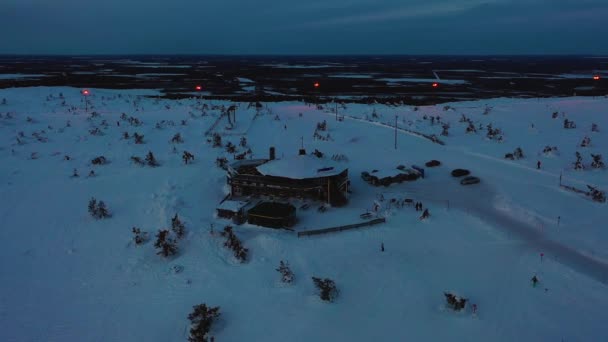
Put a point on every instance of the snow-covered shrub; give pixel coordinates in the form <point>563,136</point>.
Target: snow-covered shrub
<point>578,164</point>
<point>596,194</point>
<point>585,142</point>
<point>137,160</point>
<point>151,160</point>
<point>230,147</point>
<point>471,128</point>
<point>177,226</point>
<point>233,242</point>
<point>165,245</point>
<point>445,130</point>
<point>202,318</point>
<point>517,154</point>
<point>177,139</point>
<point>139,138</point>
<point>217,140</point>
<point>187,157</point>
<point>550,149</point>
<point>594,128</point>
<point>139,236</point>
<point>327,288</point>
<point>221,162</point>
<point>597,162</point>
<point>287,275</point>
<point>569,124</point>
<point>101,160</point>
<point>98,209</point>
<point>455,302</point>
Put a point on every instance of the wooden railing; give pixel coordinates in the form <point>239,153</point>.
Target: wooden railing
<point>341,228</point>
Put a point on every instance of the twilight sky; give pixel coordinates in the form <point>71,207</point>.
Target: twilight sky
<point>304,26</point>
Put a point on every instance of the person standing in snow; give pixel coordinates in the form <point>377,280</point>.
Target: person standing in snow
<point>534,281</point>
<point>425,214</point>
<point>538,165</point>
<point>382,246</point>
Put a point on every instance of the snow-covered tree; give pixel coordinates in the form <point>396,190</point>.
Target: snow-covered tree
<point>455,302</point>
<point>471,128</point>
<point>518,153</point>
<point>101,160</point>
<point>230,147</point>
<point>597,162</point>
<point>202,318</point>
<point>445,130</point>
<point>165,245</point>
<point>137,160</point>
<point>585,142</point>
<point>139,236</point>
<point>177,139</point>
<point>327,288</point>
<point>233,242</point>
<point>139,138</point>
<point>187,157</point>
<point>596,194</point>
<point>287,275</point>
<point>151,160</point>
<point>177,226</point>
<point>217,140</point>
<point>93,207</point>
<point>97,209</point>
<point>578,164</point>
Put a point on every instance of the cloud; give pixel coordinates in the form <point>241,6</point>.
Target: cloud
<point>433,9</point>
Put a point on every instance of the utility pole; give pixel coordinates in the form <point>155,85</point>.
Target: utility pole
<point>395,131</point>
<point>336,110</point>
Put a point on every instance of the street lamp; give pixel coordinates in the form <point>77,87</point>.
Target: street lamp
<point>435,85</point>
<point>85,93</point>
<point>596,77</point>
<point>199,88</point>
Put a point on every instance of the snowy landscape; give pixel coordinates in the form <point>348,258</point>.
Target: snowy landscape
<point>70,272</point>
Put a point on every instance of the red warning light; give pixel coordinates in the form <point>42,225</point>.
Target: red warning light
<point>316,84</point>
<point>199,88</point>
<point>435,85</point>
<point>85,92</point>
<point>596,77</point>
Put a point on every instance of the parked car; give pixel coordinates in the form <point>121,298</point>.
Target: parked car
<point>460,172</point>
<point>433,163</point>
<point>470,180</point>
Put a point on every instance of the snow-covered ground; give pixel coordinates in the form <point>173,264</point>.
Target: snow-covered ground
<point>68,277</point>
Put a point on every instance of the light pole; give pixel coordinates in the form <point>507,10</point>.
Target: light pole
<point>199,88</point>
<point>85,93</point>
<point>395,131</point>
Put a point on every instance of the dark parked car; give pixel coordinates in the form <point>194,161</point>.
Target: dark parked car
<point>433,163</point>
<point>460,172</point>
<point>470,180</point>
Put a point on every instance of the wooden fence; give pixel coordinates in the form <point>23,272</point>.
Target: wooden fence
<point>341,228</point>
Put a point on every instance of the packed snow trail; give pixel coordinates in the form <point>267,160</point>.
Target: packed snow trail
<point>479,200</point>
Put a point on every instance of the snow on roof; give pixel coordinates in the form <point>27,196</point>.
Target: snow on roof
<point>301,167</point>
<point>386,173</point>
<point>232,205</point>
